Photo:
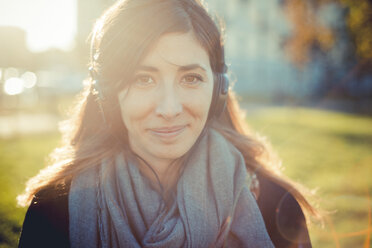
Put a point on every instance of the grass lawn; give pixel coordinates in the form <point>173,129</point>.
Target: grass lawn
<point>20,159</point>
<point>331,152</point>
<point>321,149</point>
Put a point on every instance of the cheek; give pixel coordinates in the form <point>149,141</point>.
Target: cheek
<point>198,102</point>
<point>134,109</point>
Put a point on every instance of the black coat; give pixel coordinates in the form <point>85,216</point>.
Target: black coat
<point>47,223</point>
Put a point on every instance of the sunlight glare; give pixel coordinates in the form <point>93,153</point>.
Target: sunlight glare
<point>48,23</point>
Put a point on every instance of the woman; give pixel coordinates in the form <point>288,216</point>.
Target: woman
<point>154,158</point>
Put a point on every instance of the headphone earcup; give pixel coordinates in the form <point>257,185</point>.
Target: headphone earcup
<point>220,92</point>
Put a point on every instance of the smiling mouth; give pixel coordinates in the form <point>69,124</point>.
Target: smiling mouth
<point>168,132</point>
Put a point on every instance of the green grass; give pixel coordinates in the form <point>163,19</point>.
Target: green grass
<point>320,149</point>
<point>331,152</point>
<point>20,159</point>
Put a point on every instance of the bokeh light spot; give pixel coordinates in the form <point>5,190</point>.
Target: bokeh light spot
<point>29,79</point>
<point>13,86</point>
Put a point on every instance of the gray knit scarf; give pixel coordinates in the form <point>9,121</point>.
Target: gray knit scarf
<point>116,206</point>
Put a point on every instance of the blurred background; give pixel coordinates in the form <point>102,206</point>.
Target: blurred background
<point>302,70</point>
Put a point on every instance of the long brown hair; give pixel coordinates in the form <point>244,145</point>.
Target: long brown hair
<point>122,36</point>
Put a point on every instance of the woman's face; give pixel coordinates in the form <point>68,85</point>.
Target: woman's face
<point>166,105</point>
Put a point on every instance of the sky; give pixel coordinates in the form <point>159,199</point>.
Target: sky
<point>48,23</point>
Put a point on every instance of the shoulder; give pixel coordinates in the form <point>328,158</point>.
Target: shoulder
<point>46,221</point>
<point>283,216</point>
<point>52,202</point>
<point>52,192</point>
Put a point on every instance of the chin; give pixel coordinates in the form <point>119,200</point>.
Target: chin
<point>172,151</point>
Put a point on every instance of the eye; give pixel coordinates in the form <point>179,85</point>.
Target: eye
<point>192,79</point>
<point>143,80</point>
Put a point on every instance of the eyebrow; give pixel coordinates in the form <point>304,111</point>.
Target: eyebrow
<point>181,68</point>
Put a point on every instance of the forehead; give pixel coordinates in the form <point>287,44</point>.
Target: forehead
<point>177,49</point>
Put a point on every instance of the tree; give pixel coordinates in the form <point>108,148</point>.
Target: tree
<point>313,38</point>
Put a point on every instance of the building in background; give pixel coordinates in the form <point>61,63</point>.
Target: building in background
<point>255,33</point>
<point>13,49</point>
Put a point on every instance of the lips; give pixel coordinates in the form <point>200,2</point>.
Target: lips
<point>168,132</point>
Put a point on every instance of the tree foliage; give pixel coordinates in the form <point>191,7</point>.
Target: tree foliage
<point>359,23</point>
<point>309,30</point>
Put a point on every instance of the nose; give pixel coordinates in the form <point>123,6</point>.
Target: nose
<point>169,105</point>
